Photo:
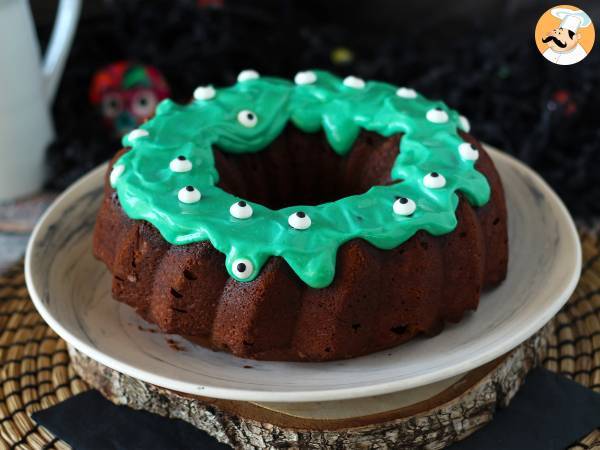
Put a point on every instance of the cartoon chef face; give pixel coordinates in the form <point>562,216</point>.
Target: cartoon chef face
<point>561,40</point>
<point>561,43</point>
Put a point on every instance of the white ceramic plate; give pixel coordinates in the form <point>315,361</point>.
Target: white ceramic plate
<point>71,290</point>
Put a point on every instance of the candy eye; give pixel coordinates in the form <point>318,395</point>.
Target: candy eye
<point>241,210</point>
<point>189,194</point>
<point>136,134</point>
<point>247,118</point>
<point>354,82</point>
<point>405,92</point>
<point>248,74</point>
<point>112,105</point>
<point>434,180</point>
<point>437,115</point>
<point>464,124</point>
<point>299,220</point>
<point>144,103</point>
<point>468,151</point>
<point>308,77</point>
<point>204,93</point>
<point>404,206</point>
<point>242,268</point>
<point>115,173</point>
<point>180,164</point>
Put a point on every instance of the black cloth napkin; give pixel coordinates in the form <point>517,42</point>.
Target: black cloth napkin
<point>549,412</point>
<point>88,421</point>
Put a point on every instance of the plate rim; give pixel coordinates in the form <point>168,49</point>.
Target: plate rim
<point>230,393</point>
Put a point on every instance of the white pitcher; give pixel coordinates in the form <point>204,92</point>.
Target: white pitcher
<point>27,88</point>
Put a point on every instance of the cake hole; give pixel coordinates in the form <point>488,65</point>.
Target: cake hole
<point>179,310</point>
<point>302,169</point>
<point>496,221</point>
<point>176,294</point>
<point>174,344</point>
<point>424,245</point>
<point>355,326</point>
<point>249,344</point>
<point>463,234</point>
<point>328,349</point>
<point>399,329</point>
<point>189,275</point>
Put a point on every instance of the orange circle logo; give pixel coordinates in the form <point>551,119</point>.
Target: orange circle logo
<point>565,35</point>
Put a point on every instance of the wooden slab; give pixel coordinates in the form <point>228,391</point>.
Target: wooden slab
<point>432,417</point>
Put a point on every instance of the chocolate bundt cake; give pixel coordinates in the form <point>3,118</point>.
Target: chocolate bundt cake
<point>315,220</point>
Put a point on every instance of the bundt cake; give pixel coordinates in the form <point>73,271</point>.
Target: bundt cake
<point>311,220</point>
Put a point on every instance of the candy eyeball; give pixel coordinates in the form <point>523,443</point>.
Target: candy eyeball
<point>204,93</point>
<point>437,115</point>
<point>242,268</point>
<point>434,180</point>
<point>405,92</point>
<point>308,77</point>
<point>247,118</point>
<point>404,206</point>
<point>248,74</point>
<point>241,210</point>
<point>299,220</point>
<point>189,194</point>
<point>464,124</point>
<point>180,164</point>
<point>354,82</point>
<point>137,133</point>
<point>468,151</point>
<point>115,173</point>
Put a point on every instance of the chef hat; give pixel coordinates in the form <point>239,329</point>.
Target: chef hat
<point>571,19</point>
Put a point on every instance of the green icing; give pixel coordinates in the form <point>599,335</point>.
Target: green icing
<point>148,189</point>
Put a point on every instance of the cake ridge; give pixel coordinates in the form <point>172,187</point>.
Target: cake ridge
<point>410,290</point>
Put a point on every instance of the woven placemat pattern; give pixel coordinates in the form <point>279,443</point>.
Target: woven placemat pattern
<point>574,349</point>
<point>35,371</point>
<point>34,368</point>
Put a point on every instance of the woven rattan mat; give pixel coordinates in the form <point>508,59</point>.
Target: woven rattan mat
<point>35,372</point>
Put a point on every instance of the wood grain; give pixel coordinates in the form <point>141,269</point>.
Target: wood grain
<point>434,423</point>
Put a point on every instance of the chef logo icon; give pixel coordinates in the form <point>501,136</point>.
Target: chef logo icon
<point>564,35</point>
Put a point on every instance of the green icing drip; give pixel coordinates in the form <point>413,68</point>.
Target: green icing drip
<point>148,189</point>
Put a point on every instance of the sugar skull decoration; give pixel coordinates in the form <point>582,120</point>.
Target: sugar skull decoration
<point>127,93</point>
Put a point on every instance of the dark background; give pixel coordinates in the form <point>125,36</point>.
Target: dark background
<point>479,56</point>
